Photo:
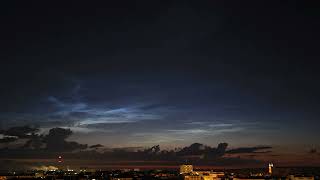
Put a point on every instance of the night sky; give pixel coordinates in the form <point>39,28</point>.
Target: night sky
<point>142,73</point>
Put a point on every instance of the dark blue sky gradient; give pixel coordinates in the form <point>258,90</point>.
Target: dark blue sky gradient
<point>163,72</point>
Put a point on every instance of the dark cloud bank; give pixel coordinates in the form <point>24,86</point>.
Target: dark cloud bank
<point>26,143</point>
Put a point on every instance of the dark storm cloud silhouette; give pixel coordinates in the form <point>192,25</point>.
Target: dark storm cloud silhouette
<point>54,141</point>
<point>96,146</point>
<point>196,153</point>
<point>314,151</point>
<point>200,149</point>
<point>34,142</point>
<point>47,145</point>
<point>8,139</point>
<point>20,132</point>
<point>256,149</point>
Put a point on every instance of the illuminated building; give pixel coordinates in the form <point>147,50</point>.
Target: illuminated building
<point>262,178</point>
<point>185,169</point>
<point>39,175</point>
<point>192,177</point>
<point>292,177</point>
<point>270,168</point>
<point>60,160</point>
<point>204,175</point>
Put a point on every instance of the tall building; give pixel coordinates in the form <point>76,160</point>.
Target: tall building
<point>270,168</point>
<point>185,169</point>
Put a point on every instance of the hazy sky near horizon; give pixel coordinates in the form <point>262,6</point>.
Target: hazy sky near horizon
<point>163,72</point>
